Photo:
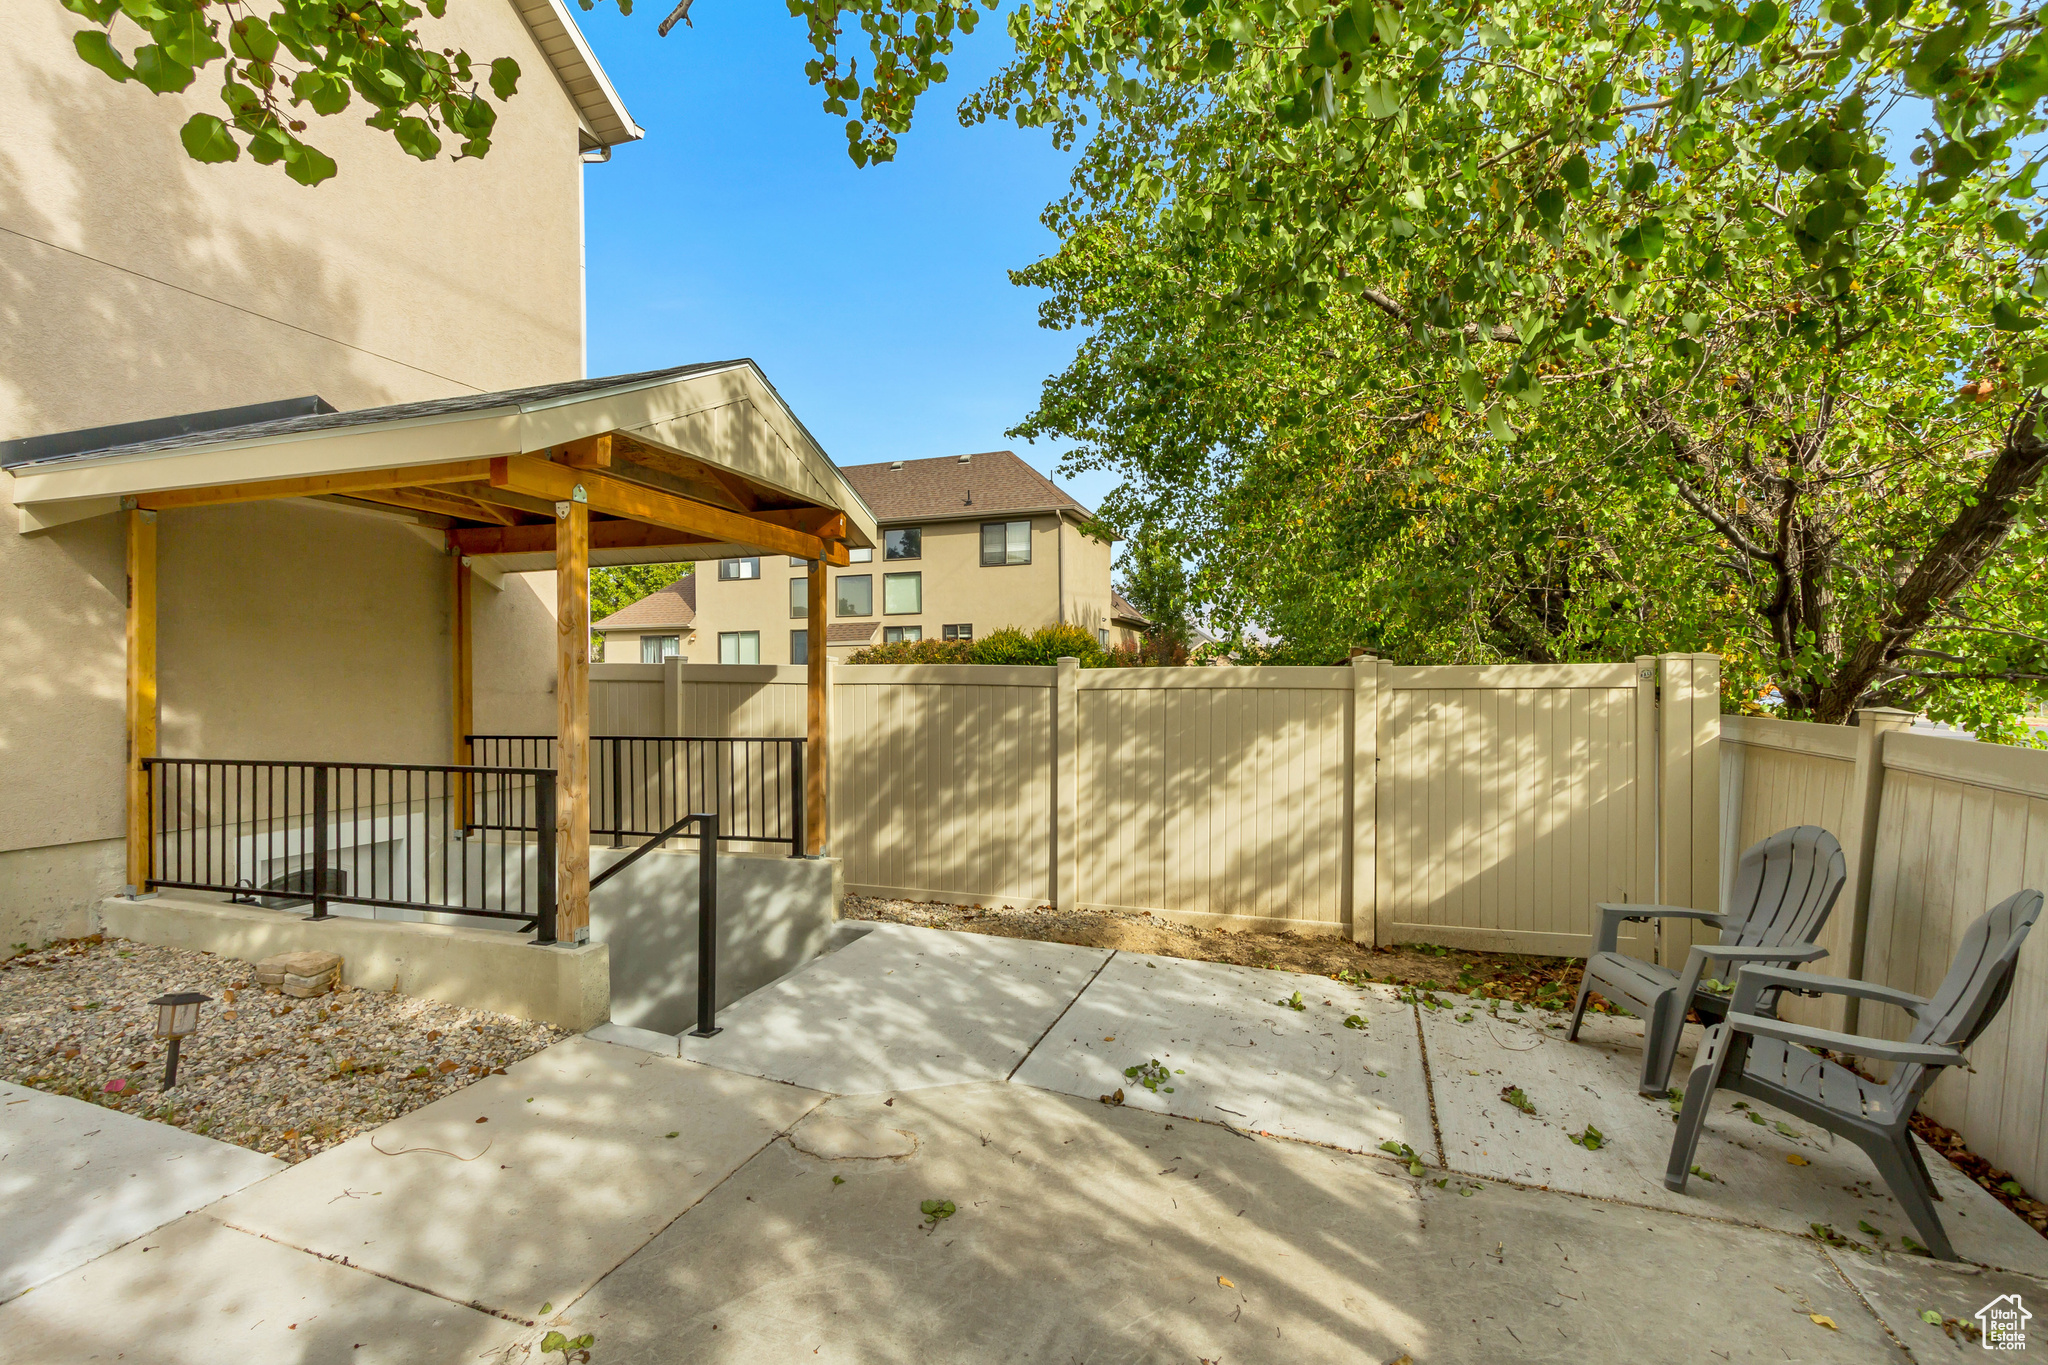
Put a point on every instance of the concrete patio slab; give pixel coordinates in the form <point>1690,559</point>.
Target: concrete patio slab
<point>198,1293</point>
<point>644,1039</point>
<point>524,1188</point>
<point>1081,1232</point>
<point>1900,1288</point>
<point>77,1180</point>
<point>1239,1057</point>
<point>902,1008</point>
<point>1474,1054</point>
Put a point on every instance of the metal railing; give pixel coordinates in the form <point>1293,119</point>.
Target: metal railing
<point>441,839</point>
<point>706,826</point>
<point>641,785</point>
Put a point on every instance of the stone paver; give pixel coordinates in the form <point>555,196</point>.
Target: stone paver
<point>1087,1233</point>
<point>198,1293</point>
<point>77,1180</point>
<point>1240,1057</point>
<point>570,1171</point>
<point>1473,1055</point>
<point>902,1008</point>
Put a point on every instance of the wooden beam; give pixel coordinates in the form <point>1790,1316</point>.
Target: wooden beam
<point>591,452</point>
<point>462,674</point>
<point>683,468</point>
<point>817,716</point>
<point>616,497</point>
<point>362,480</point>
<point>142,700</point>
<point>821,522</point>
<point>572,721</point>
<point>438,503</point>
<point>540,539</point>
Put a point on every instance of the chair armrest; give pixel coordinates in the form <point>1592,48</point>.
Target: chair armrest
<point>1925,1054</point>
<point>1608,936</point>
<point>1769,977</point>
<point>1807,952</point>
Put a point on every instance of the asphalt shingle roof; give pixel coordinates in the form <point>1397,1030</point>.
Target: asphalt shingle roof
<point>955,486</point>
<point>672,606</point>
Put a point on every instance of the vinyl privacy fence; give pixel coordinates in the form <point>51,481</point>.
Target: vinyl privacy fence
<point>1937,831</point>
<point>1480,807</point>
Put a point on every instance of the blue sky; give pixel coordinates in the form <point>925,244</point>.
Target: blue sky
<point>877,299</point>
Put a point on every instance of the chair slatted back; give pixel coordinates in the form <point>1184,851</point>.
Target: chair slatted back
<point>1975,988</point>
<point>1785,888</point>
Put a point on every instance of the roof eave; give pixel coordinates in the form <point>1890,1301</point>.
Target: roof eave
<point>606,123</point>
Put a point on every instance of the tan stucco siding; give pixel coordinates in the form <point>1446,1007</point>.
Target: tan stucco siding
<point>958,589</point>
<point>137,283</point>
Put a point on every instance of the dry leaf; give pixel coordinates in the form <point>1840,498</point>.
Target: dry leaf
<point>1823,1320</point>
<point>1225,1282</point>
<point>1796,1159</point>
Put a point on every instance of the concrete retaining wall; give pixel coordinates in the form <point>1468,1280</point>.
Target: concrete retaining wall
<point>774,914</point>
<point>476,968</point>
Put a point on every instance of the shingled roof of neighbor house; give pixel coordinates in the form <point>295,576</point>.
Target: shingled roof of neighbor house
<point>674,605</point>
<point>850,633</point>
<point>956,486</point>
<point>1120,609</point>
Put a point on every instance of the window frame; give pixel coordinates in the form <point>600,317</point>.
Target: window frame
<point>905,635</point>
<point>961,630</point>
<point>799,598</point>
<point>800,647</point>
<point>739,639</point>
<point>918,610</point>
<point>839,588</point>
<point>675,648</point>
<point>889,554</point>
<point>737,575</point>
<point>1005,562</point>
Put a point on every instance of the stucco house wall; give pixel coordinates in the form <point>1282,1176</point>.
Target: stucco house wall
<point>136,283</point>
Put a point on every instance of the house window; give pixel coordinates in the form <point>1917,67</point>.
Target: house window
<point>902,594</point>
<point>864,554</point>
<point>856,594</point>
<point>1102,634</point>
<point>1006,542</point>
<point>655,648</point>
<point>798,562</point>
<point>739,568</point>
<point>799,597</point>
<point>960,632</point>
<point>799,646</point>
<point>739,646</point>
<point>904,543</point>
<point>895,635</point>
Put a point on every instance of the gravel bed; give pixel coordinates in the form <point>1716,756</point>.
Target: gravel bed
<point>284,1077</point>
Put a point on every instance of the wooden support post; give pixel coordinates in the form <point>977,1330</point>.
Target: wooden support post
<point>817,716</point>
<point>142,739</point>
<point>462,677</point>
<point>572,720</point>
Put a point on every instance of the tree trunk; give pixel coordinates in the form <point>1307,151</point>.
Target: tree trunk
<point>1950,564</point>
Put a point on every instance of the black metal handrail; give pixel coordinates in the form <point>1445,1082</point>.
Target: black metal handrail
<point>706,823</point>
<point>641,784</point>
<point>436,838</point>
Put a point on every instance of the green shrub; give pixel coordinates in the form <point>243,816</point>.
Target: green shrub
<point>1043,646</point>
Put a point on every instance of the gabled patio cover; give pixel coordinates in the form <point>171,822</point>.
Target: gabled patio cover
<point>698,462</point>
<point>702,459</point>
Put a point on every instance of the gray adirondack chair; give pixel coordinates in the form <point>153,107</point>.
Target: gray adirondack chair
<point>1770,1061</point>
<point>1784,888</point>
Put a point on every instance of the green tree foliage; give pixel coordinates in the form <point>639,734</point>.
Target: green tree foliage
<point>1544,330</point>
<point>1157,581</point>
<point>303,59</point>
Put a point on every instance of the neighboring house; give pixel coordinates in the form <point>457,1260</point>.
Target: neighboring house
<point>661,625</point>
<point>971,544</point>
<point>139,284</point>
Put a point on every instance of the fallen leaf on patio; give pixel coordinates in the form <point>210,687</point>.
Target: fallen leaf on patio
<point>1755,1117</point>
<point>1930,1317</point>
<point>115,1086</point>
<point>1115,1098</point>
<point>1402,1360</point>
<point>1225,1282</point>
<point>1704,1174</point>
<point>546,1309</point>
<point>1592,1139</point>
<point>839,1180</point>
<point>481,1119</point>
<point>1863,1225</point>
<point>1354,1021</point>
<point>1823,1320</point>
<point>1787,1129</point>
<point>1295,1003</point>
<point>1110,1039</point>
<point>1513,1095</point>
<point>936,1209</point>
<point>1795,1159</point>
<point>670,1135</point>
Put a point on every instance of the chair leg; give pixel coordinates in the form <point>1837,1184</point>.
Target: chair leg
<point>1579,1005</point>
<point>1692,1117</point>
<point>1900,1166</point>
<point>1663,1028</point>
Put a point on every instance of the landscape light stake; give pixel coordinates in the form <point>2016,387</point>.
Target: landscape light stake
<point>177,1017</point>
